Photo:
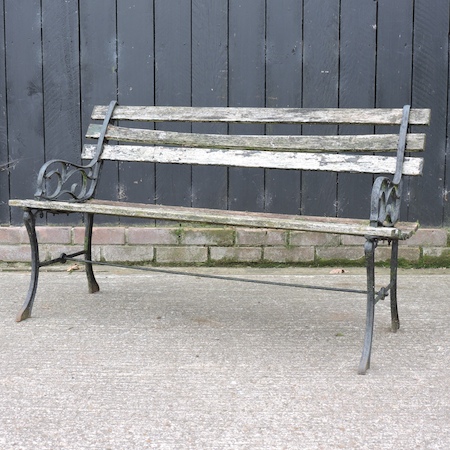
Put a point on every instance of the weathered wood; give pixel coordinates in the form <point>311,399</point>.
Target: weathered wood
<point>350,143</point>
<point>355,116</point>
<point>356,227</point>
<point>257,159</point>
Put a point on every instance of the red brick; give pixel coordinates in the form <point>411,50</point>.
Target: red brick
<point>352,240</point>
<point>289,255</point>
<point>12,235</point>
<point>429,237</point>
<point>260,237</point>
<point>236,254</point>
<point>101,235</point>
<point>190,254</point>
<point>156,236</point>
<point>15,253</point>
<point>54,235</point>
<point>208,236</point>
<point>309,238</point>
<point>342,253</point>
<point>127,253</point>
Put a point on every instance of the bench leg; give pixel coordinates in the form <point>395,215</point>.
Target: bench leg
<point>30,225</point>
<point>393,291</point>
<point>369,250</point>
<point>92,282</point>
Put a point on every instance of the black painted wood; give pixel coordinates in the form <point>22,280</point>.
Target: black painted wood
<point>25,96</point>
<point>283,62</point>
<point>173,87</point>
<point>4,156</point>
<point>394,63</point>
<point>431,58</point>
<point>209,88</point>
<point>98,59</point>
<point>356,89</point>
<point>61,75</point>
<point>320,89</point>
<point>246,88</point>
<point>57,58</point>
<point>135,80</point>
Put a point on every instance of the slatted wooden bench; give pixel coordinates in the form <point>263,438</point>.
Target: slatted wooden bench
<point>65,187</point>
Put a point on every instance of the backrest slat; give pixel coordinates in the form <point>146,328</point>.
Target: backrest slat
<point>354,116</point>
<point>341,143</point>
<point>260,159</point>
<point>333,153</point>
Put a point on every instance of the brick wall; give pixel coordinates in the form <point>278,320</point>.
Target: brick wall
<point>223,246</point>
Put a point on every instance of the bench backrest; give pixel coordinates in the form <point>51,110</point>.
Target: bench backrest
<point>360,153</point>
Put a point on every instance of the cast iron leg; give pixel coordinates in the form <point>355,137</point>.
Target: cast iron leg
<point>393,292</point>
<point>92,282</point>
<point>30,224</point>
<point>369,250</point>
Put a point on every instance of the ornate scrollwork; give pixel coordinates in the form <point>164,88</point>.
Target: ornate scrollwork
<point>57,179</point>
<point>385,204</point>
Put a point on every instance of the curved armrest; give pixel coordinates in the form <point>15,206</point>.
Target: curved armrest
<point>385,202</point>
<point>55,177</point>
<point>58,178</point>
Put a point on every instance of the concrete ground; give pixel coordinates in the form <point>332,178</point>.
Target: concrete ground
<point>169,362</point>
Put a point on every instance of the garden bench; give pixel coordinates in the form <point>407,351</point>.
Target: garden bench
<point>66,187</point>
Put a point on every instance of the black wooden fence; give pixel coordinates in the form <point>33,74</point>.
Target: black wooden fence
<point>59,58</point>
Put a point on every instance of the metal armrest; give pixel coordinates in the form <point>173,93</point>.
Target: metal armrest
<point>57,178</point>
<point>385,202</point>
<point>387,194</point>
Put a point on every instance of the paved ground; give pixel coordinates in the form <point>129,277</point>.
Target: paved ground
<point>170,362</point>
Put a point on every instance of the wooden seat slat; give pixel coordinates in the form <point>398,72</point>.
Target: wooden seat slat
<point>357,227</point>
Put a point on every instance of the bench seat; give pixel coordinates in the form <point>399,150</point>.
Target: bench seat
<point>309,140</point>
<point>356,227</point>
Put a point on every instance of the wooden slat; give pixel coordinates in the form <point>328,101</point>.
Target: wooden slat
<point>238,218</point>
<point>354,143</point>
<point>378,116</point>
<point>257,159</point>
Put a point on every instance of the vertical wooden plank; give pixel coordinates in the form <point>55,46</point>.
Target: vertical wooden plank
<point>61,74</point>
<point>61,80</point>
<point>356,90</point>
<point>446,193</point>
<point>98,56</point>
<point>209,88</point>
<point>394,63</point>
<point>4,157</point>
<point>394,53</point>
<point>320,89</point>
<point>173,87</point>
<point>283,89</point>
<point>430,78</point>
<point>135,31</point>
<point>246,88</point>
<point>25,96</point>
